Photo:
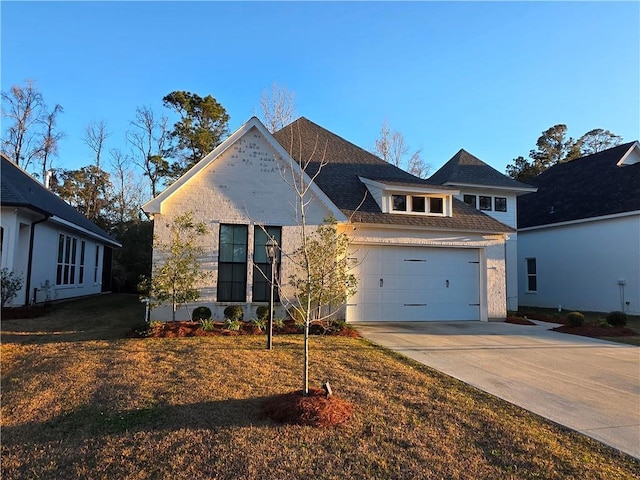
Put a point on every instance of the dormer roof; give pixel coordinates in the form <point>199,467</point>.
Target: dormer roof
<point>465,169</point>
<point>346,164</point>
<point>602,184</point>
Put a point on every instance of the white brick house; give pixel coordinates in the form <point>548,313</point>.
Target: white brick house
<point>422,254</point>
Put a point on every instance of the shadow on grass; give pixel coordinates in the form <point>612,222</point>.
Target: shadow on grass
<point>102,317</point>
<point>90,422</point>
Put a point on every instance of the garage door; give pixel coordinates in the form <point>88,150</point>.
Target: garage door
<point>415,284</point>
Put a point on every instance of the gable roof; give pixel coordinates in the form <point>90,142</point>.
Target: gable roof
<point>19,189</point>
<point>605,183</point>
<point>346,163</point>
<point>467,169</point>
<point>154,205</point>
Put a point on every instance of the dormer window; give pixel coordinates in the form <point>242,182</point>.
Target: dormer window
<point>411,198</point>
<point>418,204</point>
<point>399,203</point>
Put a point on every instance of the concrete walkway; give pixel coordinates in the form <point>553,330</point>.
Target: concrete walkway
<point>588,385</point>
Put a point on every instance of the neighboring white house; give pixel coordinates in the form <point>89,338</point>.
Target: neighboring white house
<point>579,235</point>
<point>422,254</point>
<point>483,187</point>
<point>57,251</point>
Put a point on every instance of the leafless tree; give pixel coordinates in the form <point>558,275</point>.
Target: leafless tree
<point>50,140</point>
<point>148,139</point>
<point>96,135</point>
<point>392,148</point>
<point>278,107</point>
<point>24,107</point>
<point>127,189</point>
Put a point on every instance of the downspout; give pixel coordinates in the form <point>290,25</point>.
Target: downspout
<point>30,260</point>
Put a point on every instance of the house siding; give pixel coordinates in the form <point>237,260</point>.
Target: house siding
<point>17,224</point>
<point>579,265</point>
<point>247,185</point>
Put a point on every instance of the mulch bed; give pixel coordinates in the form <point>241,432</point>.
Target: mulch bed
<point>315,409</point>
<point>519,320</point>
<point>597,331</point>
<point>194,329</point>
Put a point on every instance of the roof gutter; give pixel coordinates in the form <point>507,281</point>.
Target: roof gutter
<point>30,260</point>
<point>73,226</point>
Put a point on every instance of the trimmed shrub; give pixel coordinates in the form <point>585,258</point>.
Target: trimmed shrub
<point>575,319</point>
<point>234,313</point>
<point>617,319</point>
<point>201,313</point>
<point>262,312</point>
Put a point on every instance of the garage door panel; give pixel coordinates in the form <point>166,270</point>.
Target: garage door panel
<point>416,284</point>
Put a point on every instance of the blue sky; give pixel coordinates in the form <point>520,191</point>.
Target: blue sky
<point>486,77</point>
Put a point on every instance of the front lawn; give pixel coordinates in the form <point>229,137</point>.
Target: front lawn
<point>81,400</point>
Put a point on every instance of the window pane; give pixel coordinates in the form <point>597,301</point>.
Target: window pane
<point>72,278</point>
<point>81,275</point>
<point>224,291</point>
<point>533,283</point>
<point>417,204</point>
<point>240,253</point>
<point>470,200</point>
<point>400,203</point>
<point>74,244</point>
<point>500,204</point>
<point>59,275</point>
<point>436,205</point>
<point>82,253</point>
<point>485,203</point>
<point>238,292</point>
<point>531,266</point>
<point>60,248</point>
<point>65,278</point>
<point>67,249</point>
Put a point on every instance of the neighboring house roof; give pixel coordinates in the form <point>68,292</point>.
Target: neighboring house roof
<point>605,183</point>
<point>467,169</point>
<point>345,163</point>
<point>19,189</point>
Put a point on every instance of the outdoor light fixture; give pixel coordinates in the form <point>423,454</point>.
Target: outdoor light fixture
<point>271,248</point>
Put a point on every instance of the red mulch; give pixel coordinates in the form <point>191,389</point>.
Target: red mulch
<point>315,409</point>
<point>193,329</point>
<point>596,331</point>
<point>519,320</point>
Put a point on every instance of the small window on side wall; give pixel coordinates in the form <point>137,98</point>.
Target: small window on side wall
<point>532,275</point>
<point>470,200</point>
<point>500,204</point>
<point>400,203</point>
<point>485,203</point>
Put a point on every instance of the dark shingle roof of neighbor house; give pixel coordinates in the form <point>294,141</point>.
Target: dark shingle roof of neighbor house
<point>587,187</point>
<point>345,162</point>
<point>19,189</point>
<point>467,169</point>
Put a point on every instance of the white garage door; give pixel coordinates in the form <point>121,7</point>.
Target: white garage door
<point>415,284</point>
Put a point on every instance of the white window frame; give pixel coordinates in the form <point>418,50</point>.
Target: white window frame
<point>532,275</point>
<point>67,261</point>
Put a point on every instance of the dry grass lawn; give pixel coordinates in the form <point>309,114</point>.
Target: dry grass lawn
<point>80,400</point>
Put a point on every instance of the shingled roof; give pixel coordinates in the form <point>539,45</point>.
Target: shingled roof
<point>346,162</point>
<point>467,169</point>
<point>19,189</point>
<point>588,187</point>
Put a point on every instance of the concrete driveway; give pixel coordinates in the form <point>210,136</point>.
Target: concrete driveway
<point>588,385</point>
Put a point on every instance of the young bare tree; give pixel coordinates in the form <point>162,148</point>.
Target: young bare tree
<point>149,139</point>
<point>392,148</point>
<point>321,281</point>
<point>278,107</point>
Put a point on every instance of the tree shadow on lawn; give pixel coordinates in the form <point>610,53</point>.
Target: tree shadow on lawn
<point>102,317</point>
<point>90,422</point>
